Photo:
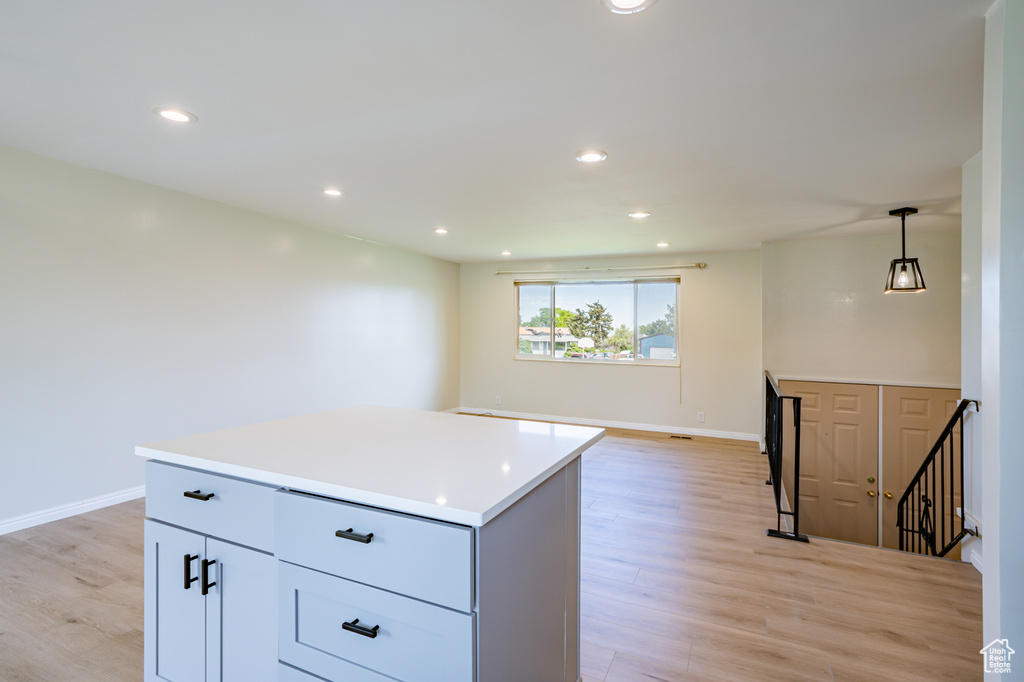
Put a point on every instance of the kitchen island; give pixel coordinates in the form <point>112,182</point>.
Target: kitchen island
<point>365,544</point>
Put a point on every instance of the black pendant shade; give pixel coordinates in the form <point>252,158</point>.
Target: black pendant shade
<point>904,273</point>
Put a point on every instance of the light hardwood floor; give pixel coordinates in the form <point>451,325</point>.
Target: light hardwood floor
<point>679,582</point>
<point>71,598</point>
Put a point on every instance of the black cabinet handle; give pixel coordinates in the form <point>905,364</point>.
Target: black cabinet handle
<point>361,629</point>
<point>189,579</point>
<point>206,585</point>
<point>198,495</point>
<point>358,537</point>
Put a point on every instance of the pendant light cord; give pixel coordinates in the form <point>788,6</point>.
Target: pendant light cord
<point>903,233</point>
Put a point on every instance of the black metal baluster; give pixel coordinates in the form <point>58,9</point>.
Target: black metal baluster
<point>903,528</point>
<point>935,506</point>
<point>899,523</point>
<point>929,508</point>
<point>963,492</point>
<point>917,517</point>
<point>942,494</point>
<point>796,467</point>
<point>915,514</point>
<point>924,511</point>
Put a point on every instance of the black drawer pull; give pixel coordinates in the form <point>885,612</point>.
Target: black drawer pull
<point>189,579</point>
<point>198,495</point>
<point>206,584</point>
<point>358,537</point>
<point>361,629</point>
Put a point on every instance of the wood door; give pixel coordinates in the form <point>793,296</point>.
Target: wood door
<point>912,419</point>
<point>839,459</point>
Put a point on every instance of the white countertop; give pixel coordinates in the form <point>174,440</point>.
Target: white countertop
<point>458,468</point>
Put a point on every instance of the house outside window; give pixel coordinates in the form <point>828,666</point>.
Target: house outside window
<point>622,321</point>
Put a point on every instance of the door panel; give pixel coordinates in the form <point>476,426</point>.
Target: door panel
<point>810,448</point>
<point>912,419</point>
<point>174,617</point>
<point>241,615</point>
<point>839,452</point>
<point>845,470</point>
<point>811,471</point>
<point>846,403</point>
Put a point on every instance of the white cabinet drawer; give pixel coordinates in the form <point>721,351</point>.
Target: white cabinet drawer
<point>353,673</point>
<point>235,510</point>
<point>429,560</point>
<point>286,673</point>
<point>412,640</point>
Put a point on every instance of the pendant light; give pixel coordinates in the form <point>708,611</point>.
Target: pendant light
<point>904,273</point>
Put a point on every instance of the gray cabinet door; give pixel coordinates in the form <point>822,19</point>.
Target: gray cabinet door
<point>230,634</point>
<point>241,609</point>
<point>175,617</point>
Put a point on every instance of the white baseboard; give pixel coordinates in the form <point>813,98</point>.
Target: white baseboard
<point>604,423</point>
<point>64,511</point>
<point>976,561</point>
<point>971,549</point>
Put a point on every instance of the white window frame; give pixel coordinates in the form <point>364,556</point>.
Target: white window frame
<point>550,355</point>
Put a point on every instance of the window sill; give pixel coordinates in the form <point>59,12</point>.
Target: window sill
<point>620,363</point>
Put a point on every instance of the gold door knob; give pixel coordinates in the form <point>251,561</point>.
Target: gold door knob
<point>888,495</point>
<point>871,493</point>
<point>871,479</point>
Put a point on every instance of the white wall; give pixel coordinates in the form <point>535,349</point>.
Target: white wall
<point>132,313</point>
<point>826,316</point>
<point>719,345</point>
<point>1004,138</point>
<point>970,279</point>
<point>991,155</point>
<point>970,350</point>
<point>1009,623</point>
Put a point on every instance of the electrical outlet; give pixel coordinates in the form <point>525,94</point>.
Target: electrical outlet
<point>700,417</point>
<point>497,400</point>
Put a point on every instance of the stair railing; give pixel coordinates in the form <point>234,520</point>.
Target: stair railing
<point>927,512</point>
<point>773,428</point>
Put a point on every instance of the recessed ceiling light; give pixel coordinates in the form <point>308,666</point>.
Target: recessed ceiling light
<point>176,115</point>
<point>591,155</point>
<point>639,214</point>
<point>662,245</point>
<point>441,230</point>
<point>506,253</point>
<point>331,192</point>
<point>627,6</point>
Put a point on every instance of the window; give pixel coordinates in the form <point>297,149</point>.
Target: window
<point>615,321</point>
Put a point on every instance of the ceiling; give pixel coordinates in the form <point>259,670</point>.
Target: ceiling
<point>732,121</point>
